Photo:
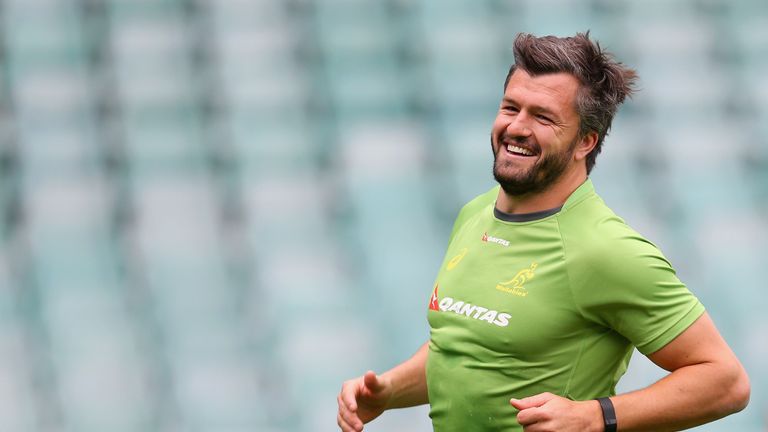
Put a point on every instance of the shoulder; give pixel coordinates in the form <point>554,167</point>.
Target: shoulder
<point>475,206</point>
<point>479,202</point>
<point>593,235</point>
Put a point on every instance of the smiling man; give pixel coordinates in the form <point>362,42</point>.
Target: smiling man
<point>544,292</point>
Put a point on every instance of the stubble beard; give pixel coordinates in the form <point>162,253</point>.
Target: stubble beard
<point>540,176</point>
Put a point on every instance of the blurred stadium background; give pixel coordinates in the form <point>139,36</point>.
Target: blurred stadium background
<point>213,212</point>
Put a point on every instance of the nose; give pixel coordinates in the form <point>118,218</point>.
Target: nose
<point>518,126</point>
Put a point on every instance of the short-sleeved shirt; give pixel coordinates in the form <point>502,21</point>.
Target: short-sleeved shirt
<point>554,304</point>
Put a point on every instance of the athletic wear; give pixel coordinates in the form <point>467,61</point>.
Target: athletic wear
<point>553,304</point>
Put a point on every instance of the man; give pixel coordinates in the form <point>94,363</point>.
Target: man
<point>544,292</point>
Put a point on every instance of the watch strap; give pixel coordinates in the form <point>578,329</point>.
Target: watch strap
<point>609,414</point>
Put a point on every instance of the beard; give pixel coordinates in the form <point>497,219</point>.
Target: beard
<point>548,169</point>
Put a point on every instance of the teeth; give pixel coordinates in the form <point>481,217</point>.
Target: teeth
<point>516,149</point>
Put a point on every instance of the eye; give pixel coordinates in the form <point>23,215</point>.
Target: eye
<point>510,108</point>
<point>544,118</point>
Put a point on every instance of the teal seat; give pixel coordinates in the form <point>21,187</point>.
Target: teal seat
<point>278,87</point>
<point>660,11</point>
<point>554,17</point>
<point>244,13</point>
<point>358,60</point>
<point>218,392</point>
<point>19,412</point>
<point>350,11</point>
<point>161,144</point>
<point>151,57</point>
<point>390,205</point>
<point>157,90</point>
<point>453,11</point>
<point>197,306</point>
<point>85,405</point>
<point>58,148</point>
<point>264,148</point>
<point>754,168</point>
<point>8,202</point>
<point>77,295</point>
<point>469,155</point>
<point>121,9</point>
<point>257,64</point>
<point>41,35</point>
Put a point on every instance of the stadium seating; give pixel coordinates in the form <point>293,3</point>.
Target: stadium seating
<point>212,212</point>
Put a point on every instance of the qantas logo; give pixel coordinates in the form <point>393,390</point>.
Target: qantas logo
<point>433,305</point>
<point>490,239</point>
<point>480,313</point>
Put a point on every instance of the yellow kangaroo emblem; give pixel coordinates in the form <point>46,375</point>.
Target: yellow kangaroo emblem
<point>515,285</point>
<point>456,260</point>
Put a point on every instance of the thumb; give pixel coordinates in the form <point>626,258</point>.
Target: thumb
<point>372,382</point>
<point>532,401</point>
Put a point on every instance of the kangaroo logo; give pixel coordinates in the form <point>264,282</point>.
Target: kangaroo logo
<point>515,285</point>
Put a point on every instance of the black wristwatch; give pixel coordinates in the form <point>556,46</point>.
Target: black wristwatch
<point>609,414</point>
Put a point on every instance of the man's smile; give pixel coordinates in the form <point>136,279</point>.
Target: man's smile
<point>518,151</point>
<point>519,148</point>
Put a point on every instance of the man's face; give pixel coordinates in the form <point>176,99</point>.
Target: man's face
<point>536,131</point>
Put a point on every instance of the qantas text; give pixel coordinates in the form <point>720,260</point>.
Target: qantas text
<point>447,304</point>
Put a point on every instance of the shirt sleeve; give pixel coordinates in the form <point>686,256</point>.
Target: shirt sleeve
<point>623,282</point>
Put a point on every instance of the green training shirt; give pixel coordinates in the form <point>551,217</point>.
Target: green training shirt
<point>552,304</point>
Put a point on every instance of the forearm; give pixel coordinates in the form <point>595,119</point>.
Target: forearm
<point>689,396</point>
<point>409,381</point>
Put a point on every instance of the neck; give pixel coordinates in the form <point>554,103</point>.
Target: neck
<point>553,196</point>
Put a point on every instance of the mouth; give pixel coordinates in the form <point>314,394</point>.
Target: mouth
<point>520,148</point>
<point>519,151</point>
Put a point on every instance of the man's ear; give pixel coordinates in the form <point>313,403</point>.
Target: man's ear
<point>586,144</point>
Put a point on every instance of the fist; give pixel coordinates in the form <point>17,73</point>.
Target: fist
<point>546,412</point>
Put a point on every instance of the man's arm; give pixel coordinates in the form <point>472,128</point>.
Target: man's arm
<point>409,381</point>
<point>364,398</point>
<point>706,382</point>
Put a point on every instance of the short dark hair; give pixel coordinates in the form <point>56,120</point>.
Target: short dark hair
<point>605,82</point>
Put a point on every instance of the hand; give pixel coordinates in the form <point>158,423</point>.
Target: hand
<point>546,412</point>
<point>361,400</point>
